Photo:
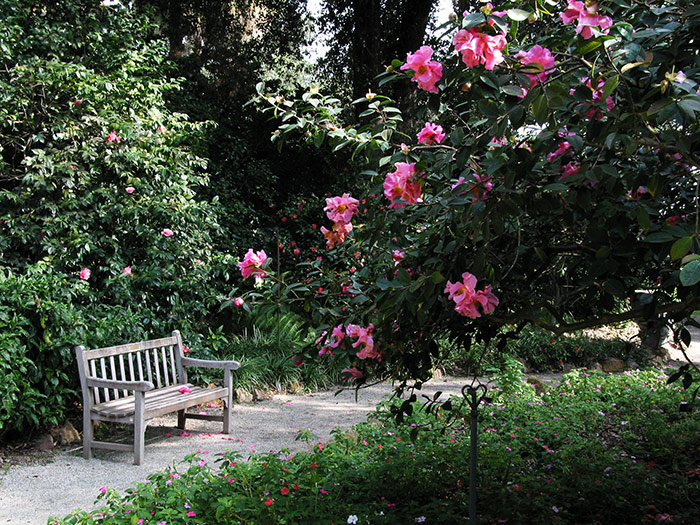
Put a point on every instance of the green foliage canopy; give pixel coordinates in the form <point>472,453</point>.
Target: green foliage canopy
<point>567,189</point>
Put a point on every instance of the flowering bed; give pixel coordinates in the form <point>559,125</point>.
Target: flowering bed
<point>597,449</point>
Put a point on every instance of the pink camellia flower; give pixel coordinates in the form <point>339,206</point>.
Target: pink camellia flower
<point>672,221</point>
<point>479,48</point>
<point>127,270</point>
<point>596,96</point>
<point>85,274</point>
<point>103,489</point>
<point>431,134</point>
<point>364,337</point>
<point>252,264</point>
<point>397,255</point>
<point>341,209</point>
<point>113,137</point>
<point>336,235</point>
<point>538,62</point>
<point>339,334</point>
<point>426,72</point>
<point>400,185</point>
<point>238,301</point>
<point>354,372</point>
<point>130,189</point>
<point>167,232</point>
<point>570,169</point>
<point>191,514</point>
<point>468,300</point>
<point>482,187</point>
<point>561,149</point>
<point>586,16</point>
<point>184,390</point>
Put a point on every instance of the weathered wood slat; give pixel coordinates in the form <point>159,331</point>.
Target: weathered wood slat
<point>123,374</point>
<point>173,370</point>
<point>112,446</point>
<point>156,366</point>
<point>93,372</point>
<point>149,371</point>
<point>206,363</point>
<point>103,372</point>
<point>139,366</point>
<point>130,347</point>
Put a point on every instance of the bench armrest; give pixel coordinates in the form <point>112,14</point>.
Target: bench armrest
<point>137,386</point>
<point>208,363</point>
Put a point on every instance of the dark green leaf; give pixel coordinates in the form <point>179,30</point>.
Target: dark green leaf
<point>690,273</point>
<point>681,247</point>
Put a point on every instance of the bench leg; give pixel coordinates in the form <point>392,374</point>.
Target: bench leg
<point>87,433</point>
<point>181,419</point>
<point>228,402</point>
<point>139,429</point>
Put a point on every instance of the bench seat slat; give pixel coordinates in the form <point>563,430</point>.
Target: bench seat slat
<point>159,402</point>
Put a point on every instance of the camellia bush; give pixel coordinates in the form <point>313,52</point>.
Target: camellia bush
<point>547,175</point>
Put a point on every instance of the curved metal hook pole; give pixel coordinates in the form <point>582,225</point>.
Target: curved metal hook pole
<point>473,394</point>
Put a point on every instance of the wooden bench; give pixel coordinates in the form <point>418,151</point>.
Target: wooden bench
<point>133,383</point>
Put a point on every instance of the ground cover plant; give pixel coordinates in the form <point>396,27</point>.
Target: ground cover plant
<point>598,448</point>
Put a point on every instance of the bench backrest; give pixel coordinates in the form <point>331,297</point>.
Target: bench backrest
<point>157,361</point>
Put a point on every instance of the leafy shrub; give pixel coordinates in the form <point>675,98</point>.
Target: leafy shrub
<point>541,351</point>
<point>267,353</point>
<point>587,452</point>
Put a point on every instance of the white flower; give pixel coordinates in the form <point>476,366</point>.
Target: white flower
<point>352,518</point>
<point>420,519</point>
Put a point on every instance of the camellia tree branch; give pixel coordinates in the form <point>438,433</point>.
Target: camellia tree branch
<point>554,177</point>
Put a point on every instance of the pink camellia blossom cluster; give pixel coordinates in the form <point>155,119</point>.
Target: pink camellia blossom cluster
<point>480,189</point>
<point>569,170</point>
<point>427,72</point>
<point>167,232</point>
<point>538,63</point>
<point>252,264</point>
<point>401,187</point>
<point>337,335</point>
<point>597,87</point>
<point>113,137</point>
<point>561,150</point>
<point>85,274</point>
<point>431,134</point>
<point>586,16</point>
<point>363,337</point>
<point>337,233</point>
<point>340,210</point>
<point>470,302</point>
<point>477,47</point>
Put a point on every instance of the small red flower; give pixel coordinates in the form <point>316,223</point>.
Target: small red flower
<point>284,491</point>
<point>269,502</point>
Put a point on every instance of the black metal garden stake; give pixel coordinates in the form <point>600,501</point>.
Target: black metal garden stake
<point>474,394</point>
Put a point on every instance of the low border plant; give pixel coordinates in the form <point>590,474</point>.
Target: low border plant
<point>598,448</point>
